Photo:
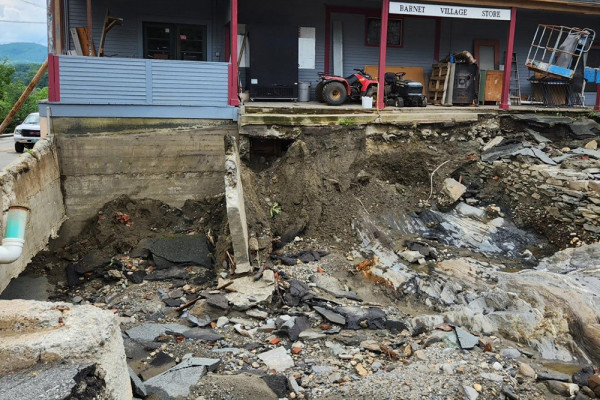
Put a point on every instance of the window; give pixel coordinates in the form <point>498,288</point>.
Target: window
<point>395,32</point>
<point>174,41</point>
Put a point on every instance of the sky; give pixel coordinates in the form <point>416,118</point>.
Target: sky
<point>23,10</point>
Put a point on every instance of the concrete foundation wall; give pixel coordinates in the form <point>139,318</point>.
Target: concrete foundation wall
<point>32,181</point>
<point>171,161</point>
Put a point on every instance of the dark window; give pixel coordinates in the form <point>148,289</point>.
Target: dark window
<point>174,41</point>
<point>395,32</point>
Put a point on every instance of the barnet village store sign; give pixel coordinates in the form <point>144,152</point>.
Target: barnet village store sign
<point>437,10</point>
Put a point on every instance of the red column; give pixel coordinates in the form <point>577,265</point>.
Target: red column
<point>505,101</point>
<point>233,69</point>
<point>385,11</point>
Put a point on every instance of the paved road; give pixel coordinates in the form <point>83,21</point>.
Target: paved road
<point>7,151</point>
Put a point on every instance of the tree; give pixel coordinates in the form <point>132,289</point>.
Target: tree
<point>10,91</point>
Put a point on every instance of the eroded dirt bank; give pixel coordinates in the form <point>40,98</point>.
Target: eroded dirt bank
<point>436,262</point>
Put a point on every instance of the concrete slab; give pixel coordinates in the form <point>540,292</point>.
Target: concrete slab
<point>39,333</point>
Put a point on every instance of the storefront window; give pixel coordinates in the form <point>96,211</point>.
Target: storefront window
<point>395,32</point>
<point>174,41</point>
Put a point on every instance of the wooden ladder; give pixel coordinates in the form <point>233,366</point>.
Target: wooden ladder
<point>515,84</point>
<point>438,84</point>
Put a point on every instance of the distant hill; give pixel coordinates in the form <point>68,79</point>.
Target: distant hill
<point>23,53</point>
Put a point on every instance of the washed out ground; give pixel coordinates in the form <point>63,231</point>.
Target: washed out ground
<point>395,263</point>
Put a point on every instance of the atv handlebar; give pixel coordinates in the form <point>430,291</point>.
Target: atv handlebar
<point>361,70</point>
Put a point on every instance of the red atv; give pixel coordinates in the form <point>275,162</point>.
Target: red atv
<point>334,90</point>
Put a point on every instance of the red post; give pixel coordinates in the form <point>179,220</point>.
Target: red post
<point>505,100</point>
<point>597,107</point>
<point>53,79</point>
<point>385,11</point>
<point>233,70</point>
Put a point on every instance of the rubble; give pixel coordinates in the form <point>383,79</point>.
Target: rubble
<point>477,292</point>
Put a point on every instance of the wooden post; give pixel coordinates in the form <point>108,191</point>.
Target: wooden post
<point>24,96</point>
<point>90,24</point>
<point>385,12</point>
<point>233,78</point>
<point>510,46</point>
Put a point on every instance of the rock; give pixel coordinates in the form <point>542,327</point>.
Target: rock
<point>311,334</point>
<point>262,315</point>
<point>175,382</point>
<point>148,332</point>
<point>470,211</point>
<point>277,359</point>
<point>465,339</point>
<point>420,354</point>
<point>330,315</point>
<point>591,145</point>
<point>582,376</point>
<point>321,369</point>
<point>562,388</point>
<point>447,369</point>
<point>526,370</point>
<point>371,345</point>
<point>453,190</point>
<point>594,384</point>
<point>247,293</point>
<point>411,256</point>
<point>497,366</point>
<point>491,377</point>
<point>222,321</point>
<point>202,334</point>
<point>508,393</point>
<point>277,383</point>
<point>494,142</point>
<point>553,376</point>
<point>217,301</point>
<point>585,128</point>
<point>332,286</point>
<point>361,370</point>
<point>139,389</point>
<point>470,393</point>
<point>376,366</point>
<point>293,385</point>
<point>478,387</point>
<point>510,353</point>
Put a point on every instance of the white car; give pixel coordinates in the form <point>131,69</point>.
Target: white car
<point>27,133</point>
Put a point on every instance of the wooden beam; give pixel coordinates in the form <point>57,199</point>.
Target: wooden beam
<point>234,76</point>
<point>90,24</point>
<point>15,109</point>
<point>545,5</point>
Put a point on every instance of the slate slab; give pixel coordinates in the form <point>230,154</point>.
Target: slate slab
<point>202,334</point>
<point>465,339</point>
<point>277,359</point>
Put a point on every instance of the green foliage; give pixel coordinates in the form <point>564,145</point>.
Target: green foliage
<point>275,210</point>
<point>345,122</point>
<point>10,91</point>
<point>24,73</point>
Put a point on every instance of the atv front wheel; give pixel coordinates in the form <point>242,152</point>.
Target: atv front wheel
<point>423,102</point>
<point>319,92</point>
<point>334,93</point>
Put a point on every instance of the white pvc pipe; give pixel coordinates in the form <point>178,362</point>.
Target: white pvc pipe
<point>14,234</point>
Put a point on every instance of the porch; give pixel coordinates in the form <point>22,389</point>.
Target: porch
<point>145,76</point>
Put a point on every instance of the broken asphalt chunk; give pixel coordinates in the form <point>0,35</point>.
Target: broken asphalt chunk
<point>361,318</point>
<point>185,250</point>
<point>175,383</point>
<point>278,384</point>
<point>297,293</point>
<point>330,315</point>
<point>292,326</point>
